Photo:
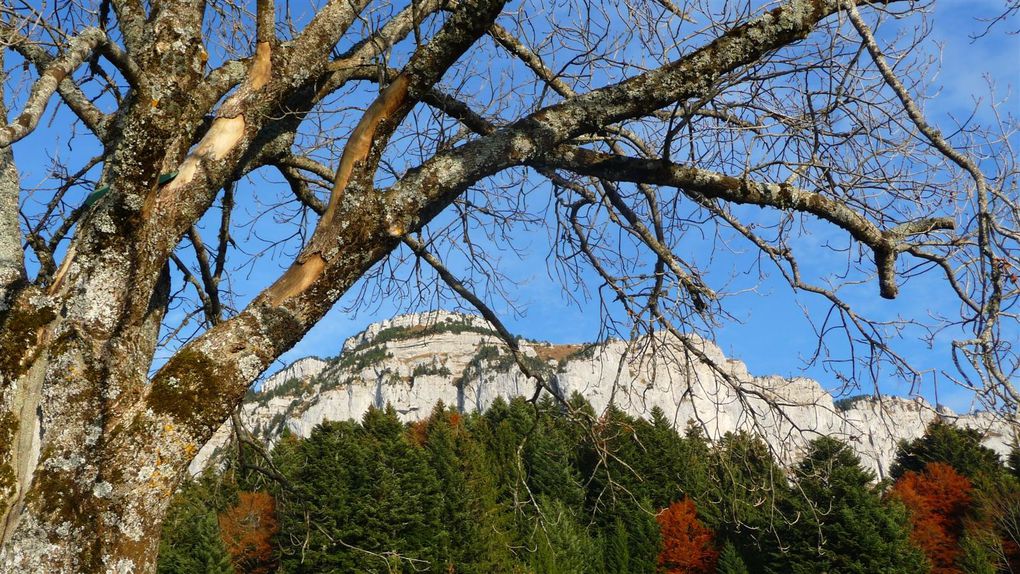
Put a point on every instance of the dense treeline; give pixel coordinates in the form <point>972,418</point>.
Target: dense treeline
<point>524,488</point>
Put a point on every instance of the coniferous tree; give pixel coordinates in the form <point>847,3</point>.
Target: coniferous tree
<point>191,540</point>
<point>730,561</point>
<point>843,525</point>
<point>476,526</point>
<point>670,466</point>
<point>976,555</point>
<point>562,544</point>
<point>367,498</point>
<point>548,452</point>
<point>993,524</point>
<point>611,460</point>
<point>632,535</point>
<point>1014,460</point>
<point>959,447</point>
<point>749,493</point>
<point>616,548</point>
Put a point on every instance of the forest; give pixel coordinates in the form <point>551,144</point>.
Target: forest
<point>526,488</point>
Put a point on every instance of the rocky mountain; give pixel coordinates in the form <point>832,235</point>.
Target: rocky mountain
<point>414,361</point>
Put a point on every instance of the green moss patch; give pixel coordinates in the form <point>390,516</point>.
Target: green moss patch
<point>19,333</point>
<point>185,387</point>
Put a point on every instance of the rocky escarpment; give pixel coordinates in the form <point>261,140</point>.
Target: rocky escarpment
<point>414,361</point>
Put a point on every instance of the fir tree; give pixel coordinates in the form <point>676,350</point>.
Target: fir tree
<point>730,561</point>
<point>670,466</point>
<point>977,555</point>
<point>993,524</point>
<point>475,538</point>
<point>191,541</point>
<point>1014,461</point>
<point>616,548</point>
<point>959,447</point>
<point>747,500</point>
<point>843,525</point>
<point>562,545</point>
<point>631,535</point>
<point>367,498</point>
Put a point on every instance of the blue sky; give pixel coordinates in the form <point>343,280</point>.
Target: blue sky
<point>771,333</point>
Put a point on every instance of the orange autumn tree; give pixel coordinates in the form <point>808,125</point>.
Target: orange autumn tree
<point>938,499</point>
<point>687,544</point>
<point>247,530</point>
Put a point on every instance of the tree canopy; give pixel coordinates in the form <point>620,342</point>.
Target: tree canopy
<point>494,511</point>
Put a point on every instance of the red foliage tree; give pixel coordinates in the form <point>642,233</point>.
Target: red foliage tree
<point>938,499</point>
<point>247,530</point>
<point>687,544</point>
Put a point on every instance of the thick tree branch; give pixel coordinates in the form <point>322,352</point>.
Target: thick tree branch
<point>368,225</point>
<point>131,22</point>
<point>299,187</point>
<point>885,243</point>
<point>323,32</point>
<point>366,142</point>
<point>992,287</point>
<point>431,186</point>
<point>288,308</point>
<point>369,49</point>
<point>55,75</point>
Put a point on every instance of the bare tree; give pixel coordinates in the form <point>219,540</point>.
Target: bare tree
<point>404,131</point>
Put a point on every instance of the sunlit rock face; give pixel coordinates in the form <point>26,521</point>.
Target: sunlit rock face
<point>414,361</point>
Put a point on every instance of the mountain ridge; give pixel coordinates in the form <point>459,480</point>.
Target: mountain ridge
<point>414,361</point>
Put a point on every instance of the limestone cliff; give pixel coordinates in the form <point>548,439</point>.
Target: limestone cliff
<point>414,361</point>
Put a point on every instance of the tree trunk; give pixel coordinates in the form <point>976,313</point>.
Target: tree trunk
<point>89,470</point>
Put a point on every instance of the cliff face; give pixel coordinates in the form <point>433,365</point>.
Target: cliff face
<point>414,361</point>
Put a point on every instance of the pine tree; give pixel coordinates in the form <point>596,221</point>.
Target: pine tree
<point>191,541</point>
<point>730,561</point>
<point>843,524</point>
<point>367,498</point>
<point>959,447</point>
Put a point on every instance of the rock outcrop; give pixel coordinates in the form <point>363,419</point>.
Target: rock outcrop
<point>414,361</point>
